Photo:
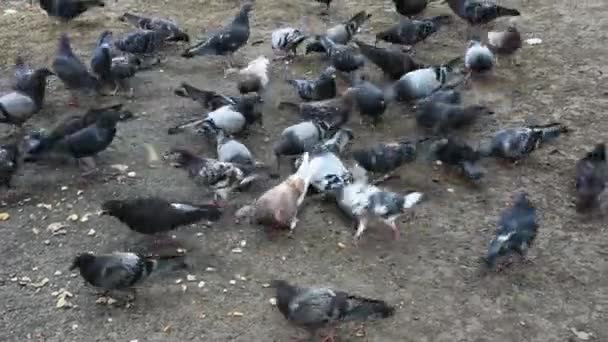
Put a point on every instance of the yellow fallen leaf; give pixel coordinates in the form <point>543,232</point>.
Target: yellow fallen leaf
<point>4,216</point>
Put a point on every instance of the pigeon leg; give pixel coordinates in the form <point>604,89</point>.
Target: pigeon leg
<point>362,226</point>
<point>391,223</point>
<point>73,101</point>
<point>87,164</point>
<point>330,336</point>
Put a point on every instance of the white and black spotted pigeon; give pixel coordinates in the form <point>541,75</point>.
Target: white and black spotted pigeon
<point>478,57</point>
<point>299,138</point>
<point>341,33</point>
<point>287,39</point>
<point>227,40</point>
<point>592,180</point>
<point>254,77</point>
<point>67,10</point>
<point>412,31</point>
<point>517,229</point>
<point>322,88</point>
<point>316,308</point>
<point>145,44</point>
<point>166,27</point>
<point>421,83</point>
<point>393,63</point>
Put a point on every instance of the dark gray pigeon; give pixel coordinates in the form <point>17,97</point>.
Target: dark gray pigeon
<point>440,117</point>
<point>166,27</point>
<point>478,57</point>
<point>341,33</point>
<point>299,138</point>
<point>592,179</point>
<point>479,12</point>
<point>226,41</point>
<point>144,43</point>
<point>209,99</point>
<point>322,88</point>
<point>421,83</point>
<point>336,112</point>
<point>72,71</point>
<point>393,63</point>
<point>150,215</point>
<point>315,308</point>
<point>119,270</point>
<point>458,155</point>
<point>410,7</point>
<point>9,162</point>
<point>370,99</point>
<point>385,157</point>
<point>517,229</point>
<point>110,69</point>
<point>67,10</point>
<point>517,143</point>
<point>344,58</point>
<point>411,31</point>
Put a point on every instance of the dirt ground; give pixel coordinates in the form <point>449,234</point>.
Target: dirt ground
<point>432,274</point>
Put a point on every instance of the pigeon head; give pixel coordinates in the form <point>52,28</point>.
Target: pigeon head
<point>112,208</point>
<point>329,72</point>
<point>183,158</point>
<point>478,110</point>
<point>82,260</point>
<point>248,106</point>
<point>285,292</point>
<point>406,150</point>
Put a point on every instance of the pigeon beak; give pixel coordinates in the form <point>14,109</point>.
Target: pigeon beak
<point>104,212</point>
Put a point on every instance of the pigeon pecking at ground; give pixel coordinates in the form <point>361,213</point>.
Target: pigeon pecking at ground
<point>322,88</point>
<point>440,117</point>
<point>343,57</point>
<point>385,157</point>
<point>505,42</point>
<point>478,57</point>
<point>152,215</point>
<point>209,99</point>
<point>227,40</point>
<point>110,69</point>
<point>299,138</point>
<point>336,112</point>
<point>232,151</point>
<point>370,99</point>
<point>592,180</point>
<point>254,77</point>
<point>144,44</point>
<point>166,27</point>
<point>480,12</point>
<point>392,62</point>
<point>459,155</point>
<point>287,39</point>
<point>341,33</point>
<point>410,7</point>
<point>517,229</point>
<point>421,83</point>
<point>412,31</point>
<point>316,308</point>
<point>67,10</point>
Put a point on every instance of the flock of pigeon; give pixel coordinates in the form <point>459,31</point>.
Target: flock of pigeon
<point>316,144</point>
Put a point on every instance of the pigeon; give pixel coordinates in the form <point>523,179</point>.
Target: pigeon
<point>9,162</point>
<point>443,95</point>
<point>421,83</point>
<point>505,42</point>
<point>440,117</point>
<point>278,207</point>
<point>341,33</point>
<point>67,10</point>
<point>71,71</point>
<point>592,179</point>
<point>517,229</point>
<point>221,177</point>
<point>112,70</point>
<point>142,43</point>
<point>412,31</point>
<point>232,151</point>
<point>330,173</point>
<point>299,138</point>
<point>515,144</point>
<point>459,155</point>
<point>326,2</point>
<point>287,39</point>
<point>315,308</point>
<point>209,99</point>
<point>393,63</point>
<point>370,99</point>
<point>410,7</point>
<point>362,201</point>
<point>27,97</point>
<point>385,157</point>
<point>322,88</point>
<point>343,58</point>
<point>228,40</point>
<point>254,77</point>
<point>119,270</point>
<point>335,112</point>
<point>478,57</point>
<point>166,27</point>
<point>480,12</point>
<point>152,215</point>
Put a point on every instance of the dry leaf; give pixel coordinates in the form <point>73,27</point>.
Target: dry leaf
<point>40,283</point>
<point>273,301</point>
<point>581,335</point>
<point>167,328</point>
<point>73,217</point>
<point>191,277</point>
<point>131,174</point>
<point>120,167</point>
<point>4,216</point>
<point>45,206</point>
<point>91,232</point>
<point>201,284</point>
<point>56,226</point>
<point>236,314</point>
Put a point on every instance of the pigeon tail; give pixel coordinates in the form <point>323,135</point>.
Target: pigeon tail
<point>550,131</point>
<point>441,19</point>
<point>360,309</point>
<point>506,12</point>
<point>412,199</point>
<point>598,154</point>
<point>160,264</point>
<point>284,105</point>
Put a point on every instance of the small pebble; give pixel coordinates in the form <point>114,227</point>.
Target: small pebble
<point>273,301</point>
<point>91,232</point>
<point>191,277</point>
<point>232,282</point>
<point>178,281</point>
<point>201,284</point>
<point>64,188</point>
<point>57,273</point>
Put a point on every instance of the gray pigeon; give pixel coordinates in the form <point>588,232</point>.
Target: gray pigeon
<point>67,10</point>
<point>227,40</point>
<point>336,112</point>
<point>322,88</point>
<point>341,33</point>
<point>299,138</point>
<point>479,12</point>
<point>167,28</point>
<point>112,70</point>
<point>592,179</point>
<point>344,58</point>
<point>209,99</point>
<point>119,270</point>
<point>410,7</point>
<point>440,117</point>
<point>517,229</point>
<point>370,99</point>
<point>72,70</point>
<point>142,43</point>
<point>315,308</point>
<point>412,31</point>
<point>458,155</point>
<point>515,144</point>
<point>232,151</point>
<point>478,57</point>
<point>421,83</point>
<point>392,62</point>
<point>385,157</point>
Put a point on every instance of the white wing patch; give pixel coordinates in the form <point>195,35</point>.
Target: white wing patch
<point>184,207</point>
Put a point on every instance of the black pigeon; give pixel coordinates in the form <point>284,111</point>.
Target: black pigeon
<point>410,7</point>
<point>314,308</point>
<point>592,179</point>
<point>393,63</point>
<point>343,58</point>
<point>517,229</point>
<point>517,143</point>
<point>385,157</point>
<point>370,99</point>
<point>299,138</point>
<point>153,215</point>
<point>443,95</point>
<point>459,155</point>
<point>326,2</point>
<point>411,31</point>
<point>440,117</point>
<point>209,99</point>
<point>167,28</point>
<point>322,88</point>
<point>479,12</point>
<point>71,70</point>
<point>120,270</point>
<point>341,33</point>
<point>421,83</point>
<point>228,40</point>
<point>9,158</point>
<point>67,10</point>
<point>336,112</point>
<point>112,70</point>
